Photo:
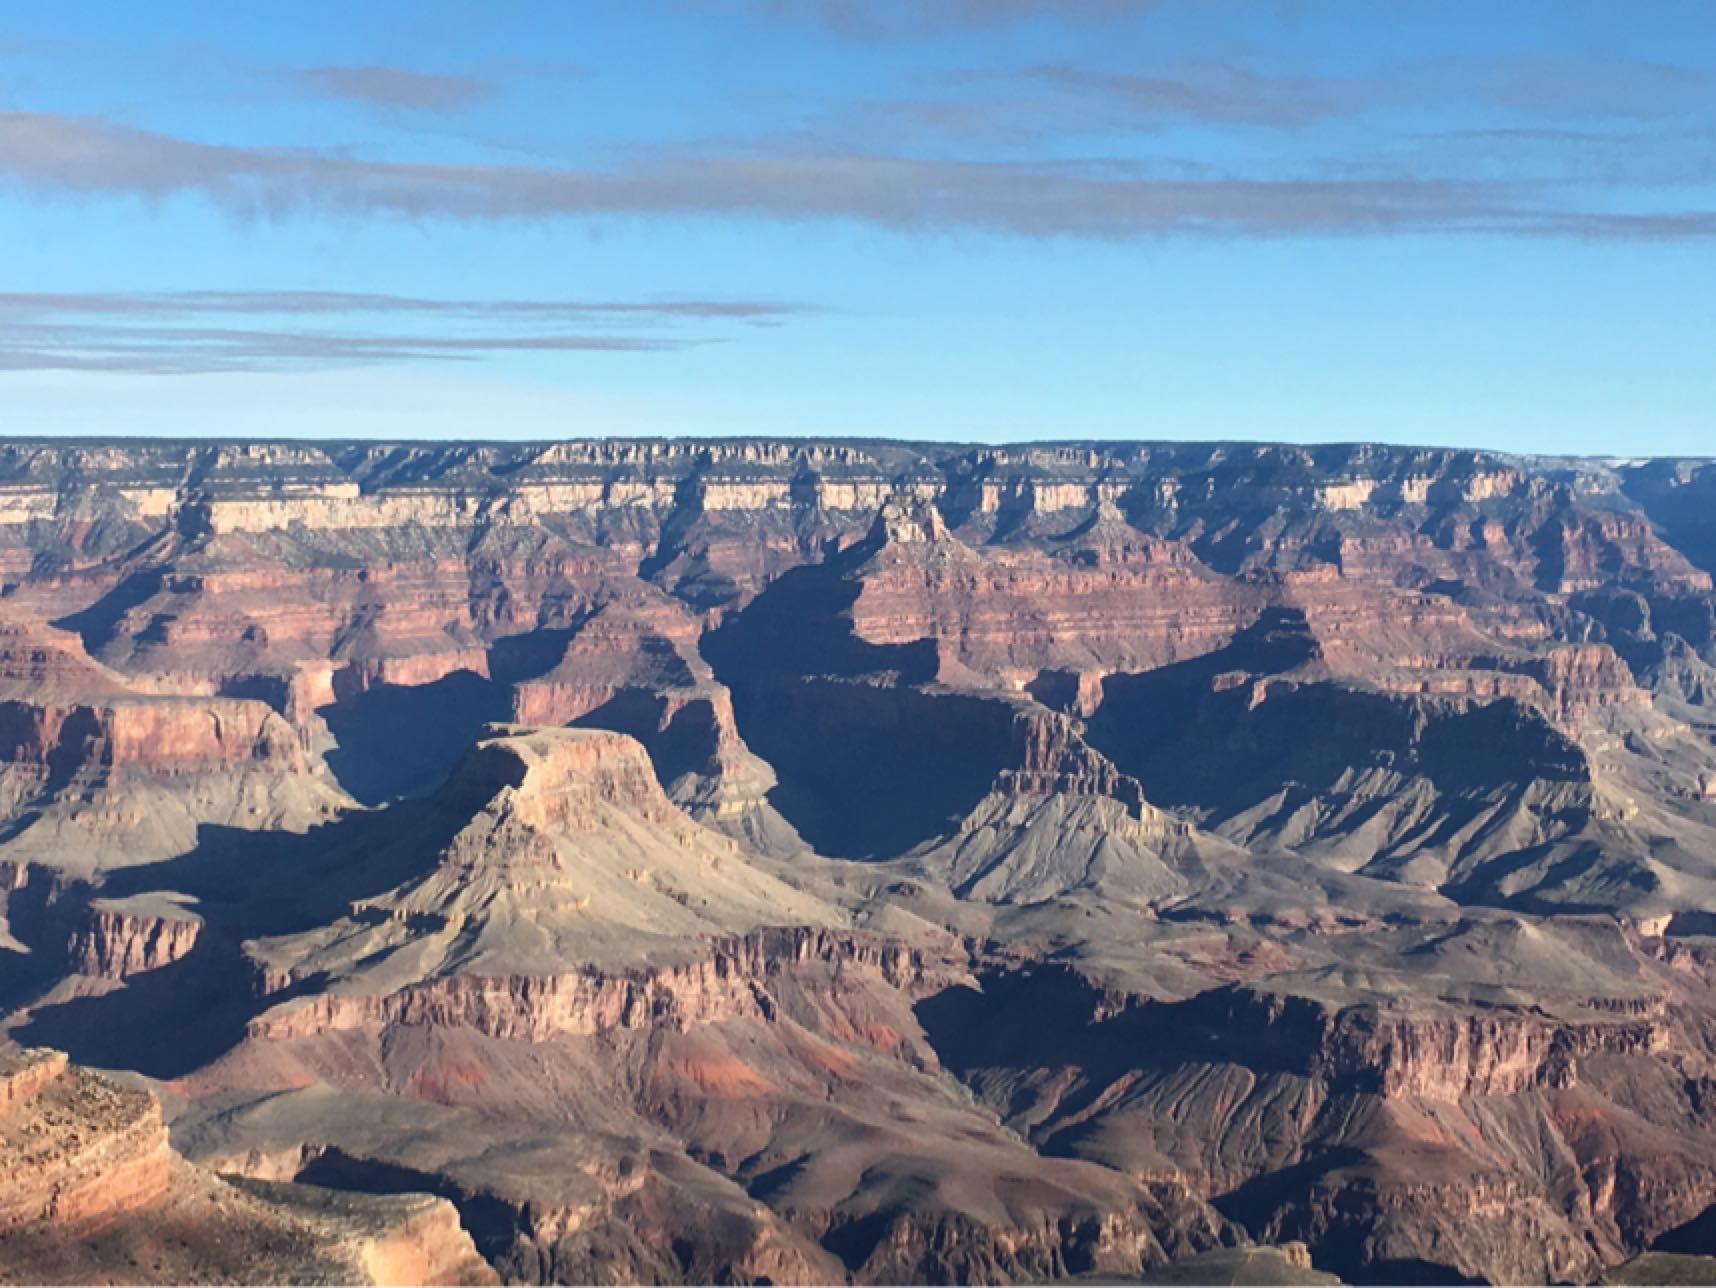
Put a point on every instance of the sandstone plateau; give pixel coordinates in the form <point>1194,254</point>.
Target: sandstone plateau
<point>780,861</point>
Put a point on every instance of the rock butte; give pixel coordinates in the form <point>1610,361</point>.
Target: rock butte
<point>729,861</point>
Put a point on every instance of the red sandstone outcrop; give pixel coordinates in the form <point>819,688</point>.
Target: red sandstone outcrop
<point>633,667</point>
<point>39,663</point>
<point>728,980</point>
<point>571,864</point>
<point>1009,614</point>
<point>93,1188</point>
<point>61,712</point>
<point>1421,1054</point>
<point>1060,817</point>
<point>165,735</point>
<point>1048,758</point>
<point>563,778</point>
<point>1584,551</point>
<point>115,940</point>
<point>81,1152</point>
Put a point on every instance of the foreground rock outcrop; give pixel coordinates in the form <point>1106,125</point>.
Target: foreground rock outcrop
<point>93,1192</point>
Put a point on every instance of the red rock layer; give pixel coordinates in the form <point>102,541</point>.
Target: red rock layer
<point>561,788</point>
<point>1010,614</point>
<point>114,943</point>
<point>721,983</point>
<point>1050,759</point>
<point>93,1192</point>
<point>157,735</point>
<point>1426,1055</point>
<point>81,1152</point>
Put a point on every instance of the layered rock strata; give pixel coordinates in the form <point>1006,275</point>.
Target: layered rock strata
<point>742,859</point>
<point>93,1187</point>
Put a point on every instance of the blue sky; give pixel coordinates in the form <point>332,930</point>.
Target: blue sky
<point>1441,221</point>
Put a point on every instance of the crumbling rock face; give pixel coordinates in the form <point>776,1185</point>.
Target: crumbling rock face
<point>166,736</point>
<point>1049,759</point>
<point>561,781</point>
<point>1452,1231</point>
<point>1412,1055</point>
<point>633,667</point>
<point>179,736</point>
<point>1062,818</point>
<point>729,982</point>
<point>1389,1135</point>
<point>113,941</point>
<point>904,1248</point>
<point>1084,604</point>
<point>82,1152</point>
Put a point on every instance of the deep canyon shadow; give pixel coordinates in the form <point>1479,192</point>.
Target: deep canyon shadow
<point>169,1021</point>
<point>399,740</point>
<point>870,760</point>
<point>163,1023</point>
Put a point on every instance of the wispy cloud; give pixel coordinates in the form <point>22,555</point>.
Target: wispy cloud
<point>1617,160</point>
<point>1050,103</point>
<point>1061,100</point>
<point>14,304</point>
<point>194,350</point>
<point>396,87</point>
<point>1226,94</point>
<point>153,332</point>
<point>1098,197</point>
<point>1612,87</point>
<point>873,19</point>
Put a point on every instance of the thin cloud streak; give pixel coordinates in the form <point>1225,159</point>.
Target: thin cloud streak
<point>1099,198</point>
<point>1617,160</point>
<point>396,87</point>
<point>1217,94</point>
<point>887,19</point>
<point>184,303</point>
<point>1056,101</point>
<point>190,350</point>
<point>152,332</point>
<point>1624,88</point>
<point>1059,100</point>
